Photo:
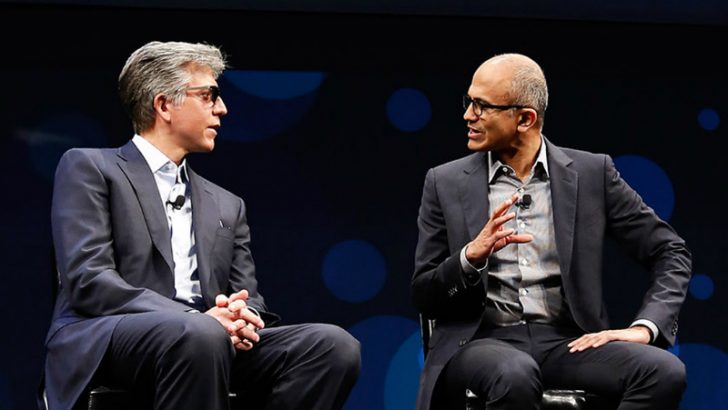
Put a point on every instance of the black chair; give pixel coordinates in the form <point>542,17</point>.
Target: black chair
<point>552,399</point>
<point>105,398</point>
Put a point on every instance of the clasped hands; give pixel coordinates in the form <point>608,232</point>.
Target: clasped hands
<point>240,322</point>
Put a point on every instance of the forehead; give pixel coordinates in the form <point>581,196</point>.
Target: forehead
<point>491,82</point>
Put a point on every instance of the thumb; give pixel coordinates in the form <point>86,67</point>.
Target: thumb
<point>221,301</point>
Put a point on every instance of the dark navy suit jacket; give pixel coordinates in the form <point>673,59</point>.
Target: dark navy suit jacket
<point>114,257</point>
<point>590,201</point>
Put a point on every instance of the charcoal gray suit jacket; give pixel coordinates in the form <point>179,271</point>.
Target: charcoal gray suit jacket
<point>590,201</point>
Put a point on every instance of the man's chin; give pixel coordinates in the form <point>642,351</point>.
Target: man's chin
<point>477,146</point>
<point>201,149</point>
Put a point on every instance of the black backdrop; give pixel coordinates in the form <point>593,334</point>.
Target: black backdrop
<point>339,171</point>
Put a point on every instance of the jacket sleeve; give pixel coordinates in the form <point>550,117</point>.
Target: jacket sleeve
<point>656,246</point>
<point>439,289</point>
<point>84,246</point>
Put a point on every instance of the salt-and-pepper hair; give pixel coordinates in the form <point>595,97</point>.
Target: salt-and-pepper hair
<point>162,68</point>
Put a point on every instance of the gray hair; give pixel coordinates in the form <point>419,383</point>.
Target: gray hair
<point>162,68</point>
<point>528,85</point>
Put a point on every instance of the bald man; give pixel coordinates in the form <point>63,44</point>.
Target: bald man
<point>509,263</point>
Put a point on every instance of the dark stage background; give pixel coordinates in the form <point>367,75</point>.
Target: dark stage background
<point>334,120</point>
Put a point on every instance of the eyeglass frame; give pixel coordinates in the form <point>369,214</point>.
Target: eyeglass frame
<point>482,105</point>
<point>212,89</point>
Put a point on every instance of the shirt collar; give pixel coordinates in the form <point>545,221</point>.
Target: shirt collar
<point>494,164</point>
<point>155,158</point>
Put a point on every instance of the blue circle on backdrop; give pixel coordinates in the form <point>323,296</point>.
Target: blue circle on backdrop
<point>381,338</point>
<point>264,104</point>
<point>701,286</point>
<point>354,271</point>
<point>403,375</point>
<point>57,133</point>
<point>650,181</point>
<point>675,348</point>
<point>409,109</point>
<point>708,119</point>
<point>707,376</point>
<point>275,85</point>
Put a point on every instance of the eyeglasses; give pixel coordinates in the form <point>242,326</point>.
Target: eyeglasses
<point>211,92</point>
<point>479,106</point>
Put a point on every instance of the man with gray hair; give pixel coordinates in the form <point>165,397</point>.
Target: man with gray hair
<point>509,264</point>
<point>157,284</point>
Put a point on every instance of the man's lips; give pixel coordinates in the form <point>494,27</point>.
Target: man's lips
<point>473,133</point>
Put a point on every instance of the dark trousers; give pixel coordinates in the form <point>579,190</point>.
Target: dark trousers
<point>186,361</point>
<point>510,367</point>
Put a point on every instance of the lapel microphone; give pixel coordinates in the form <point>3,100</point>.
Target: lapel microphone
<point>176,196</point>
<point>525,201</point>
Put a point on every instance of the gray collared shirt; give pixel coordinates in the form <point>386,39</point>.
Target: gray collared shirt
<point>524,280</point>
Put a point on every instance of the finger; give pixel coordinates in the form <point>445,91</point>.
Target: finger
<point>252,318</point>
<point>499,221</point>
<point>246,345</point>
<point>600,342</point>
<point>243,345</point>
<point>503,233</point>
<point>247,333</point>
<point>235,339</point>
<point>234,327</point>
<point>520,238</point>
<point>240,295</point>
<point>580,343</point>
<point>594,340</point>
<point>221,300</point>
<point>578,340</point>
<point>504,205</point>
<point>237,305</point>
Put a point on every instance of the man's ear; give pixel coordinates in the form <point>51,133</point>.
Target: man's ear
<point>162,105</point>
<point>526,119</point>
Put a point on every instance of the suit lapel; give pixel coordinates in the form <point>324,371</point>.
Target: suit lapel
<point>474,194</point>
<point>141,178</point>
<point>563,199</point>
<point>205,221</point>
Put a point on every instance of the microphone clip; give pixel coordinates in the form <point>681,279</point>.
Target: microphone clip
<point>525,201</point>
<point>177,196</point>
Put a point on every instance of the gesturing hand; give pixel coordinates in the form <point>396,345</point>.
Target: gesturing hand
<point>493,237</point>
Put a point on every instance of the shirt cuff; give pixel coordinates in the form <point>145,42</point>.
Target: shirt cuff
<point>471,274</point>
<point>648,324</point>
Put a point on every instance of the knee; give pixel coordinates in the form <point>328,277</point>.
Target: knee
<point>518,370</point>
<point>512,383</point>
<point>199,337</point>
<point>341,350</point>
<point>671,373</point>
